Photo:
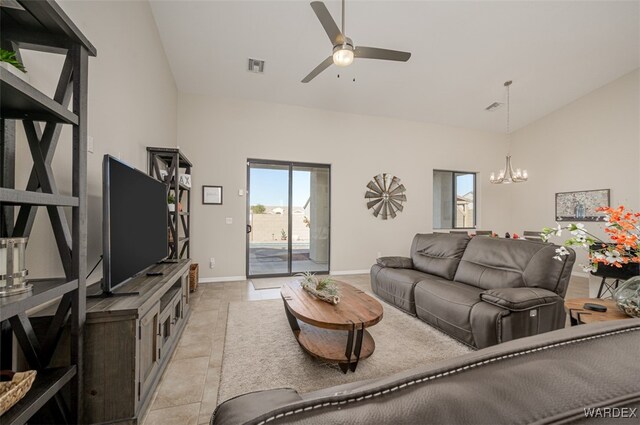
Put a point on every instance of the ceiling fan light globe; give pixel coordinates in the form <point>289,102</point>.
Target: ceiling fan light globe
<point>343,57</point>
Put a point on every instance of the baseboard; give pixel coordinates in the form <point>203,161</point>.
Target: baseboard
<point>580,274</point>
<point>346,272</point>
<point>221,279</point>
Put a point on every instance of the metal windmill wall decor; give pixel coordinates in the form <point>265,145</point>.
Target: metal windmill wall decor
<point>385,196</point>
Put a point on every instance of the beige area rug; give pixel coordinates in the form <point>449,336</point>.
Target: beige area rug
<point>271,282</point>
<point>260,351</point>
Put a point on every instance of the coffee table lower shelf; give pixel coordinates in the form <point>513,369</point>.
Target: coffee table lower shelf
<point>333,345</point>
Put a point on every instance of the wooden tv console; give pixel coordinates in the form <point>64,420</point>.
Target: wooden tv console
<point>128,341</point>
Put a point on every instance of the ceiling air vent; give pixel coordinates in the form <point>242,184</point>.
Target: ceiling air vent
<point>256,65</point>
<point>493,106</point>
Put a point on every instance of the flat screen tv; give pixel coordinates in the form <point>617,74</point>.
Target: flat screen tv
<point>134,222</point>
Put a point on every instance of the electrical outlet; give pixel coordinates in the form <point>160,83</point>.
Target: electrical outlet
<point>229,220</point>
<point>89,144</point>
<point>212,262</point>
<point>240,192</point>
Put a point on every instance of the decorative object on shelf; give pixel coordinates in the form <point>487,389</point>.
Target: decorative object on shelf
<point>13,391</point>
<point>508,175</point>
<point>582,205</point>
<point>13,271</point>
<point>171,200</point>
<point>325,289</point>
<point>212,195</point>
<point>9,57</point>
<point>193,277</point>
<point>185,179</point>
<point>627,297</point>
<point>621,226</point>
<point>385,196</point>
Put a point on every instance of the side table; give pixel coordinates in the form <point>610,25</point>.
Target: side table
<point>578,315</point>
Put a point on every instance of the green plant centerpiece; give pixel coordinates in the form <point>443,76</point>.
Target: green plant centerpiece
<point>324,289</point>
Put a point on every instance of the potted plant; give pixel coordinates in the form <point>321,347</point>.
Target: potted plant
<point>10,62</point>
<point>171,200</point>
<point>283,235</point>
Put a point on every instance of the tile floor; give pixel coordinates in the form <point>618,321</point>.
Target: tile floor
<point>188,391</point>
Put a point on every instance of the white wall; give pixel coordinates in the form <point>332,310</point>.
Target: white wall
<point>132,104</point>
<point>219,135</point>
<point>592,143</point>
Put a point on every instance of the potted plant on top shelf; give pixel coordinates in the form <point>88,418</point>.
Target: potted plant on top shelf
<point>10,62</point>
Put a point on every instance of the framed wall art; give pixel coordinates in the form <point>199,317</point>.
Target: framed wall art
<point>582,205</point>
<point>212,195</point>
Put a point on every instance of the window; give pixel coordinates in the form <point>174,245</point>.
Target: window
<point>454,200</point>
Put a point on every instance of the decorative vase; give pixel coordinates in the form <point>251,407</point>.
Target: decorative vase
<point>581,211</point>
<point>627,297</point>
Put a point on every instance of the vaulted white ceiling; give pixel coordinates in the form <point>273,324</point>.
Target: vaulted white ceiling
<point>462,52</point>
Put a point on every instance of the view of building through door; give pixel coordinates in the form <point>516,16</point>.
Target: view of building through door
<point>288,218</point>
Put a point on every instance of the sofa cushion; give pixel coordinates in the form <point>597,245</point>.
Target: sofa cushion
<point>447,305</point>
<point>438,254</point>
<point>490,263</point>
<point>518,299</point>
<point>395,262</point>
<point>396,285</point>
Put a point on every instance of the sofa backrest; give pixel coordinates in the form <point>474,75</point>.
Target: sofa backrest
<point>438,253</point>
<point>490,263</point>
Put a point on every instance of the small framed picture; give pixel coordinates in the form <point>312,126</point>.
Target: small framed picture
<point>212,195</point>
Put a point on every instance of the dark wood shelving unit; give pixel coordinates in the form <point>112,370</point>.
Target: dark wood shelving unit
<point>43,291</point>
<point>21,101</point>
<point>26,197</point>
<point>48,383</point>
<point>41,25</point>
<point>175,163</point>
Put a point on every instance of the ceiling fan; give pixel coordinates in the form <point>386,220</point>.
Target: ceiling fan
<point>344,52</point>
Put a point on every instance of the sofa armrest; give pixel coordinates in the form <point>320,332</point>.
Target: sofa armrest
<point>395,262</point>
<point>518,299</point>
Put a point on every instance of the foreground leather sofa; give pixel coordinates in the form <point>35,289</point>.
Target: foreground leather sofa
<point>482,290</point>
<point>554,378</point>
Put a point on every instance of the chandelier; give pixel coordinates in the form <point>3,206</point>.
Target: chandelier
<point>508,174</point>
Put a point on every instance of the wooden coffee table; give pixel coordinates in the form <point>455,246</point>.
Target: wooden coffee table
<point>578,315</point>
<point>333,333</point>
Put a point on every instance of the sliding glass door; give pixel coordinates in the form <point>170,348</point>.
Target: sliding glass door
<point>288,218</point>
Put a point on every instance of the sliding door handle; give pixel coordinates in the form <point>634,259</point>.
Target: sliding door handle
<point>249,228</point>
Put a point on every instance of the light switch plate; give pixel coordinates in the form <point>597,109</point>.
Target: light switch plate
<point>89,144</point>
<point>229,220</point>
<point>240,192</point>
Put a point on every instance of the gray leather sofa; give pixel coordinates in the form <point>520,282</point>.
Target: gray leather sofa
<point>553,378</point>
<point>482,291</point>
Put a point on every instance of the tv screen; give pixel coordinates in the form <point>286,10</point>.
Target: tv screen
<point>134,222</point>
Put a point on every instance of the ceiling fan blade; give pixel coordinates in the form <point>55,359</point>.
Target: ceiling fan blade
<point>324,65</point>
<point>384,54</point>
<point>329,25</point>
